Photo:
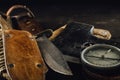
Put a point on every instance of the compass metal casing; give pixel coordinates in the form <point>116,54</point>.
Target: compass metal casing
<point>102,60</point>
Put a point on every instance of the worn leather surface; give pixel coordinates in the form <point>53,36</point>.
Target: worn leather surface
<point>27,23</point>
<point>23,57</point>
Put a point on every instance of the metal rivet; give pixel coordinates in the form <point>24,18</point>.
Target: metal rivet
<point>10,65</point>
<point>39,65</point>
<point>8,35</point>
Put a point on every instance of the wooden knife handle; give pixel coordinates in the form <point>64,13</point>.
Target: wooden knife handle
<point>57,32</point>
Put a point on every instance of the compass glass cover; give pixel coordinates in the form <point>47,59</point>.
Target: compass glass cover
<point>101,55</point>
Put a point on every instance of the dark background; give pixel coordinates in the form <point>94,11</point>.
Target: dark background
<point>53,14</point>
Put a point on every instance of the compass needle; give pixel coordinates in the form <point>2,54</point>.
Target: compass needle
<point>108,51</point>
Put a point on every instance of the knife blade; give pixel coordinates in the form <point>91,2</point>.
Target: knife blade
<point>53,56</point>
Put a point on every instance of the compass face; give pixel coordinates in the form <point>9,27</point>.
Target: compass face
<point>101,55</point>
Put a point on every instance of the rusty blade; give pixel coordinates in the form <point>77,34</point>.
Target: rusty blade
<point>53,56</point>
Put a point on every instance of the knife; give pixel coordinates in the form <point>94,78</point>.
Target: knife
<point>53,56</point>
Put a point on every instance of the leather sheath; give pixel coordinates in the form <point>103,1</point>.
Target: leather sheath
<point>23,57</point>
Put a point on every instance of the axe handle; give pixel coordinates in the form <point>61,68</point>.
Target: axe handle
<point>57,32</point>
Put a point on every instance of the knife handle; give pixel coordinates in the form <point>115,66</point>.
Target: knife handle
<point>57,32</point>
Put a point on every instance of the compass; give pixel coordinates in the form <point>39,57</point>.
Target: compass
<point>101,59</point>
<point>101,55</point>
